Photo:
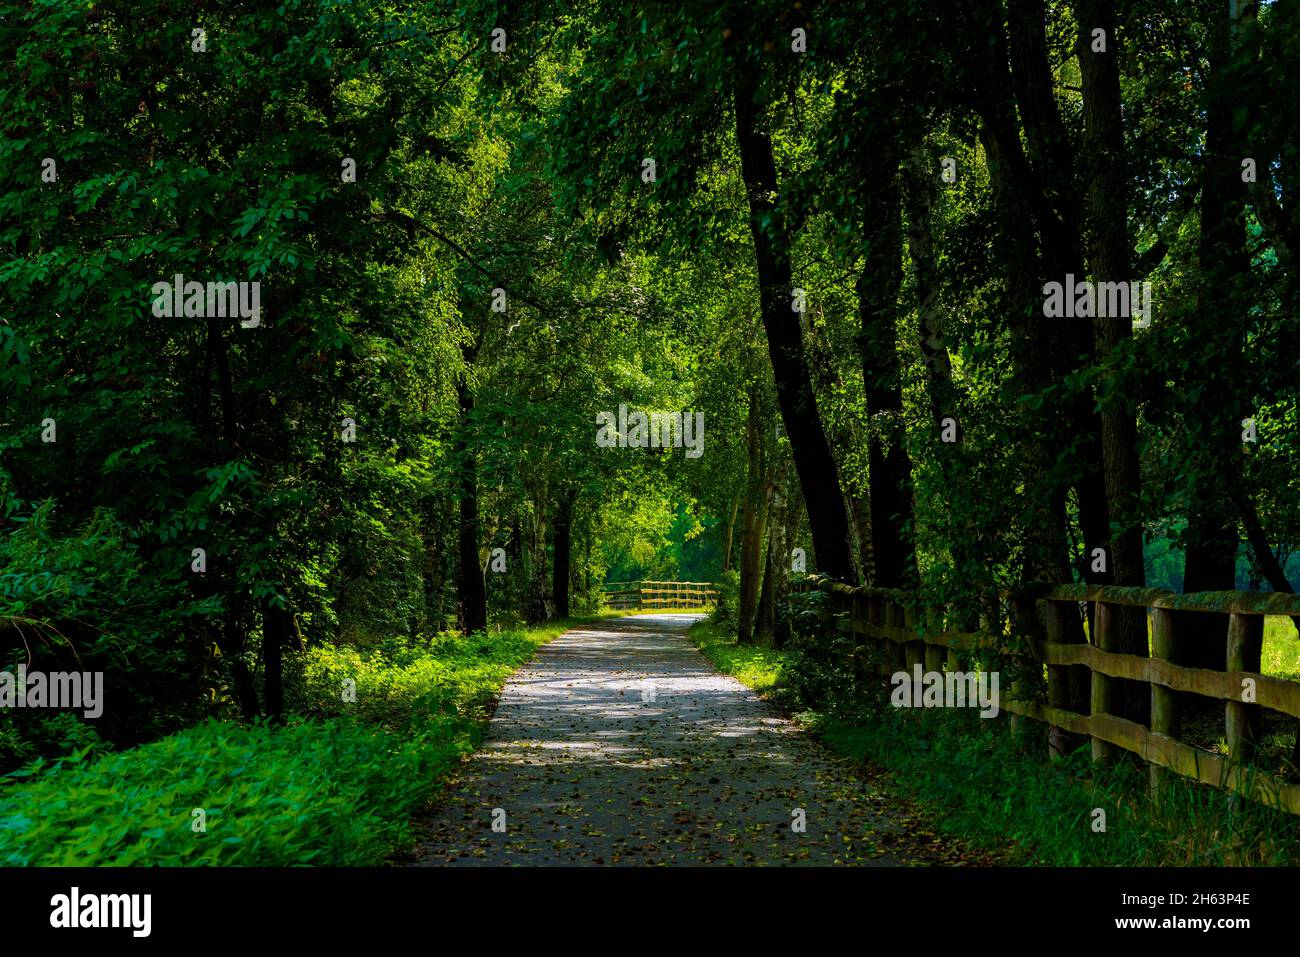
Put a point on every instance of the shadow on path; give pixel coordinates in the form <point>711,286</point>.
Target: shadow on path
<point>619,744</point>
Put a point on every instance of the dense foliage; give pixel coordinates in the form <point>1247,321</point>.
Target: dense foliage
<point>337,789</point>
<point>825,228</point>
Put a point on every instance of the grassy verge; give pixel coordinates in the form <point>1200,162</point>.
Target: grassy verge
<point>759,668</point>
<point>1281,652</point>
<point>982,785</point>
<point>387,725</point>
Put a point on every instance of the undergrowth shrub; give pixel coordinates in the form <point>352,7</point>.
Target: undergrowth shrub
<point>313,792</point>
<point>337,788</point>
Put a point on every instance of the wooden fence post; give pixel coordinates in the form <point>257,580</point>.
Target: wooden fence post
<point>1166,717</point>
<point>1244,639</point>
<point>857,615</point>
<point>1024,618</point>
<point>935,655</point>
<point>902,651</point>
<point>905,618</point>
<point>881,650</point>
<point>1059,741</point>
<point>1102,686</point>
<point>895,651</point>
<point>1241,719</point>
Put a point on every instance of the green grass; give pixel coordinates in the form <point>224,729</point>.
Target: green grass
<point>337,788</point>
<point>984,786</point>
<point>398,683</point>
<point>759,668</point>
<point>1281,657</point>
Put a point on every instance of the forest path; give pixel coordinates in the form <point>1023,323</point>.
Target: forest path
<point>620,744</point>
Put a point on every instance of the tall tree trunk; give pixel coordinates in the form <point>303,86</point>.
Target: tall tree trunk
<point>860,509</point>
<point>920,186</point>
<point>919,193</point>
<point>814,463</point>
<point>1213,424</point>
<point>1020,204</point>
<point>471,590</point>
<point>754,522</point>
<point>278,630</point>
<point>1050,183</point>
<point>889,467</point>
<point>776,568</point>
<point>1044,557</point>
<point>235,624</point>
<point>843,438</point>
<point>538,608</point>
<point>561,559</point>
<point>731,530</point>
<point>234,641</point>
<point>1109,249</point>
<point>586,559</point>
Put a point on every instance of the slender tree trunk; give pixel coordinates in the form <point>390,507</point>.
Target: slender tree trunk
<point>1265,560</point>
<point>731,529</point>
<point>919,192</point>
<point>235,639</point>
<point>235,624</point>
<point>775,566</point>
<point>538,609</point>
<point>1021,203</point>
<point>860,508</point>
<point>560,562</point>
<point>1044,553</point>
<point>1109,257</point>
<point>1213,424</point>
<point>586,560</point>
<point>751,540</point>
<point>843,438</point>
<point>764,618</point>
<point>889,467</point>
<point>1044,556</point>
<point>813,460</point>
<point>438,526</point>
<point>277,632</point>
<point>920,187</point>
<point>1050,184</point>
<point>471,589</point>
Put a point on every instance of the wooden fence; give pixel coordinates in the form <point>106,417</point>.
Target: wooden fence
<point>641,595</point>
<point>1043,640</point>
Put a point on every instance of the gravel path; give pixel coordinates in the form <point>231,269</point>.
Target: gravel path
<point>619,744</point>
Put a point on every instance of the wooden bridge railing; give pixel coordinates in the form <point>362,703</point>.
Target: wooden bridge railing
<point>641,595</point>
<point>911,633</point>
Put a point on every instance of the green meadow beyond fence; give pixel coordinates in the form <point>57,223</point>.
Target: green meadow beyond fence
<point>642,595</point>
<point>1071,679</point>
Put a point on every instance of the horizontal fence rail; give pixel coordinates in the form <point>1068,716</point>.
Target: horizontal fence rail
<point>1042,637</point>
<point>640,595</point>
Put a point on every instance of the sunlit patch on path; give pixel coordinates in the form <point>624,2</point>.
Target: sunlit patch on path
<point>619,744</point>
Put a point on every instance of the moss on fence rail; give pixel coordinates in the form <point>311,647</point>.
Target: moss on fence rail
<point>1218,602</point>
<point>877,614</point>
